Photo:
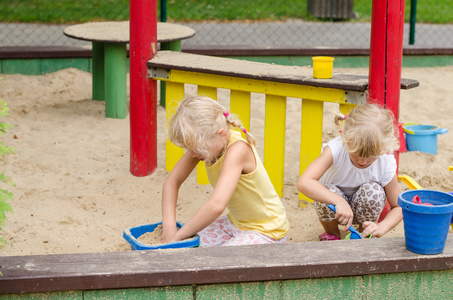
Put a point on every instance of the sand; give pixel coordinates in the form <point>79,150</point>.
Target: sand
<point>73,190</point>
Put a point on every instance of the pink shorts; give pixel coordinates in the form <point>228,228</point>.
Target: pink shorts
<point>222,232</point>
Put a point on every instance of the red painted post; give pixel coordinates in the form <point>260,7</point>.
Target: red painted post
<point>377,67</point>
<point>143,91</point>
<point>386,53</point>
<point>394,55</point>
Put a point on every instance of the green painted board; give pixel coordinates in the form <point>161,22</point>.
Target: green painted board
<point>50,65</point>
<point>248,290</point>
<point>21,66</point>
<point>409,61</point>
<point>71,295</point>
<point>432,285</point>
<point>162,293</point>
<point>324,288</point>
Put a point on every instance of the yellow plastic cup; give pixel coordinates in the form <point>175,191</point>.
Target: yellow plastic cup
<point>322,67</point>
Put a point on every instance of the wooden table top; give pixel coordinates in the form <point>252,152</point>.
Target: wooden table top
<point>118,32</point>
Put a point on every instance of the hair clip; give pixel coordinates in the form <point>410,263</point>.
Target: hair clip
<point>226,114</point>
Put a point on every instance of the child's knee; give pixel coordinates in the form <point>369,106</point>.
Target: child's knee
<point>369,202</point>
<point>371,193</point>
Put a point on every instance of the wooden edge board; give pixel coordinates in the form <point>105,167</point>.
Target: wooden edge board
<point>153,268</point>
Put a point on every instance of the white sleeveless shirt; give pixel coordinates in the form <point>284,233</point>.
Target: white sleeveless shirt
<point>348,178</point>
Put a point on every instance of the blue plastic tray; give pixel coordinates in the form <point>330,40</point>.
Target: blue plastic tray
<point>131,234</point>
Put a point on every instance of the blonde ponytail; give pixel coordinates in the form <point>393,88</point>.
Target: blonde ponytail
<point>235,122</point>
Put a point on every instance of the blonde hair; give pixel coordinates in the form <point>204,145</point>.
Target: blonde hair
<point>197,121</point>
<point>367,131</point>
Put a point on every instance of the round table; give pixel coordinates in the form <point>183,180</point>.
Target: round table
<point>109,53</point>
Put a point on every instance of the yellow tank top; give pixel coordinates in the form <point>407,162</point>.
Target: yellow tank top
<point>255,204</point>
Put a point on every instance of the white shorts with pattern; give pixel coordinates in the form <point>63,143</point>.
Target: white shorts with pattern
<point>222,232</point>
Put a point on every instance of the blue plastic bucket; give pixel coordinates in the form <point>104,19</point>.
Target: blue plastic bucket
<point>426,226</point>
<point>131,234</point>
<point>422,138</point>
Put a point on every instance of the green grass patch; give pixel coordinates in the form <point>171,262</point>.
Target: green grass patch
<point>69,11</point>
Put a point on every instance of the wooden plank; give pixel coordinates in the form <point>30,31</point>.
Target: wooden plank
<point>260,86</point>
<point>419,285</point>
<point>175,94</point>
<point>153,268</point>
<point>202,174</point>
<point>21,66</point>
<point>50,65</point>
<point>255,70</point>
<point>324,288</point>
<point>16,52</point>
<point>79,51</point>
<point>167,293</point>
<point>71,295</point>
<point>310,136</point>
<point>269,290</point>
<point>274,140</point>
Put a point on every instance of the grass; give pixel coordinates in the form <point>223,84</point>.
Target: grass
<point>70,11</point>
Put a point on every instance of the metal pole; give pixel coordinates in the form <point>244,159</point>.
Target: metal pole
<point>163,10</point>
<point>412,22</point>
<point>163,18</point>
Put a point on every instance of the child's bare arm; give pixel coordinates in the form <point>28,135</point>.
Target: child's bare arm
<point>310,186</point>
<point>233,164</point>
<point>170,194</point>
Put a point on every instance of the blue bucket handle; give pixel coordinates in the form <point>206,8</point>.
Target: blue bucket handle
<point>440,131</point>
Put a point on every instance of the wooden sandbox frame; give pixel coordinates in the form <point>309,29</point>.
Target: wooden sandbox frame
<point>375,269</point>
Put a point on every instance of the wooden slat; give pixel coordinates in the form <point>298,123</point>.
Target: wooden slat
<point>202,175</point>
<point>261,86</point>
<point>274,140</point>
<point>90,271</point>
<point>310,135</point>
<point>240,104</point>
<point>18,52</point>
<point>174,95</point>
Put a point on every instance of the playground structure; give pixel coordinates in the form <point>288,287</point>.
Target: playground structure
<point>383,83</point>
<point>267,271</point>
<point>278,83</point>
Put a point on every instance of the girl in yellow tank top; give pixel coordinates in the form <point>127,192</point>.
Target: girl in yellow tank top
<point>256,214</point>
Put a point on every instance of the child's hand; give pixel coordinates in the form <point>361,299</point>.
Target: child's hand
<point>344,214</point>
<point>371,228</point>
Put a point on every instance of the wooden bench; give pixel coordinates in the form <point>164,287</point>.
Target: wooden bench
<point>278,83</point>
<point>109,54</point>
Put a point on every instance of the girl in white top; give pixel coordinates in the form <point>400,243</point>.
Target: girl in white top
<point>256,214</point>
<point>356,172</point>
